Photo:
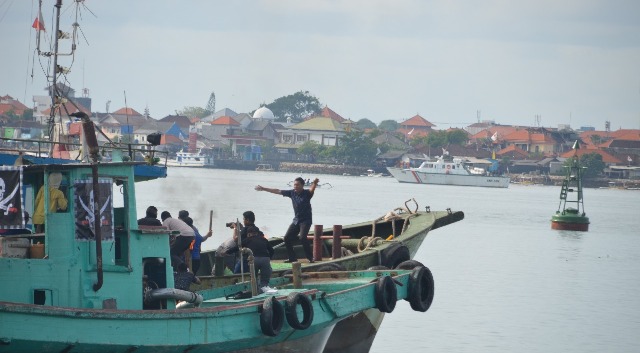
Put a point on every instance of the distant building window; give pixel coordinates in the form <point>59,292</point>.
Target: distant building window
<point>301,138</point>
<point>287,138</point>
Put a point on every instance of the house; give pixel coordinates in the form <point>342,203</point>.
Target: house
<point>122,122</point>
<point>324,131</point>
<point>512,152</point>
<point>539,141</point>
<point>415,126</point>
<point>10,105</point>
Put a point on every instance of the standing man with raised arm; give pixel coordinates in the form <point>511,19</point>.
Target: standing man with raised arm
<point>302,220</point>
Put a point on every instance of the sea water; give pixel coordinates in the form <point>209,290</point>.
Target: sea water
<point>504,280</point>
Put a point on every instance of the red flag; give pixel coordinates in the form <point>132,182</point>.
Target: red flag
<point>38,23</point>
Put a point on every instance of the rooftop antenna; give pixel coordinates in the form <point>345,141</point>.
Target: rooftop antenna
<point>478,115</point>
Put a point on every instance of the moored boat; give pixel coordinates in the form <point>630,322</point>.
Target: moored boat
<point>191,159</point>
<point>455,172</point>
<point>571,216</point>
<point>388,241</point>
<point>99,282</point>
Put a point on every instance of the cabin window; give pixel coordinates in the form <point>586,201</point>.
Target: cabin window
<point>42,297</point>
<point>453,167</point>
<point>121,222</point>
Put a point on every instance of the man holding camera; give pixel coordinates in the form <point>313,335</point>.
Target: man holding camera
<point>302,220</point>
<point>251,237</point>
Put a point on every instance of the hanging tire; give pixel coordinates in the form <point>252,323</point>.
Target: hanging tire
<point>421,289</point>
<point>378,268</point>
<point>386,294</point>
<point>395,254</point>
<point>409,265</point>
<point>291,311</point>
<point>271,317</point>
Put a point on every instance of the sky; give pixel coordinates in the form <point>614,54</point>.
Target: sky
<point>533,63</point>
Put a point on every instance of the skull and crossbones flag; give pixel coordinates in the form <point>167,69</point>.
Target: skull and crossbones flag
<point>11,215</point>
<point>85,205</point>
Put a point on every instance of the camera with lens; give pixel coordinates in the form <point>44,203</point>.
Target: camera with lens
<point>230,224</point>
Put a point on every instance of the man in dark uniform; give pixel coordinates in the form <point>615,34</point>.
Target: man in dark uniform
<point>151,218</point>
<point>299,228</point>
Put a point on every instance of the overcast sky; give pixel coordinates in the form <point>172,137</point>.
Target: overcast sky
<point>569,62</point>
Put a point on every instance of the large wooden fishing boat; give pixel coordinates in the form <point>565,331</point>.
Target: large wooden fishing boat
<point>571,216</point>
<point>94,281</point>
<point>389,241</point>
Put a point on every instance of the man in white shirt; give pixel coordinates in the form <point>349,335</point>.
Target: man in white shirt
<point>182,241</point>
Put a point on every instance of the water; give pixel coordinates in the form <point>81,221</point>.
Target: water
<point>505,281</point>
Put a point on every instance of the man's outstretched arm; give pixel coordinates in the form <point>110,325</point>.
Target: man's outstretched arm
<point>262,188</point>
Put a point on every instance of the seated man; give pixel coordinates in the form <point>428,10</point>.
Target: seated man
<point>251,237</point>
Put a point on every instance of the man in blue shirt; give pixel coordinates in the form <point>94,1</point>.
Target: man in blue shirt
<point>302,220</point>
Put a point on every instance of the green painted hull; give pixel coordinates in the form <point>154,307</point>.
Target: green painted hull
<point>216,326</point>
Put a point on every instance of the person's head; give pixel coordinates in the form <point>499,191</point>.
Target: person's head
<point>55,179</point>
<point>248,218</point>
<point>164,215</point>
<point>298,184</point>
<point>183,214</point>
<point>188,221</point>
<point>152,212</point>
<point>182,267</point>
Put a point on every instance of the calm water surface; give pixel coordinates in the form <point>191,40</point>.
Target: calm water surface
<point>505,282</point>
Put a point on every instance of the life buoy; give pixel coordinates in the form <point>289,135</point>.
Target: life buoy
<point>291,311</point>
<point>386,294</point>
<point>448,166</point>
<point>421,289</point>
<point>271,317</point>
<point>394,254</point>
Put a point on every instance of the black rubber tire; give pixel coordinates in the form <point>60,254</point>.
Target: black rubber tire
<point>395,254</point>
<point>421,289</point>
<point>328,267</point>
<point>378,268</point>
<point>293,300</point>
<point>386,294</point>
<point>409,265</point>
<point>271,317</point>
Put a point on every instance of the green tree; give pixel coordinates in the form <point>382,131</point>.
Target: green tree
<point>457,137</point>
<point>297,106</point>
<point>356,148</point>
<point>211,104</point>
<point>194,112</point>
<point>388,125</point>
<point>311,149</point>
<point>591,162</point>
<point>363,124</point>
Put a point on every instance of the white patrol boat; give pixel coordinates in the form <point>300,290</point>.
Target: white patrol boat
<point>456,172</point>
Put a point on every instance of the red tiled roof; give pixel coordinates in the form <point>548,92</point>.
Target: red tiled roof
<point>225,120</point>
<point>328,113</point>
<point>512,150</point>
<point>487,133</point>
<point>606,157</point>
<point>126,111</point>
<point>416,121</point>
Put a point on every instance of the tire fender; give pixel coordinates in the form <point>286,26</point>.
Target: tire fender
<point>291,312</point>
<point>409,265</point>
<point>395,254</point>
<point>386,294</point>
<point>421,289</point>
<point>271,317</point>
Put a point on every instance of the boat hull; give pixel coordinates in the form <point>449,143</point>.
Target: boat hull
<point>419,177</point>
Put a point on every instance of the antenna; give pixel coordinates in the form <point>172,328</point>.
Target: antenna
<point>478,115</point>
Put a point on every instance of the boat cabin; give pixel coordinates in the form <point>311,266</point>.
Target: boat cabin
<point>72,263</point>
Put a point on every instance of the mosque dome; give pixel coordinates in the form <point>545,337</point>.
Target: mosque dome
<point>263,113</point>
